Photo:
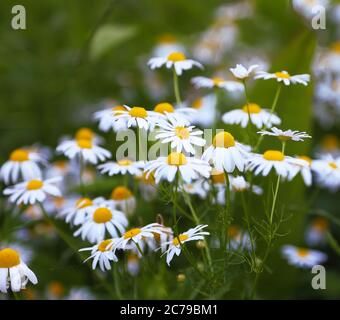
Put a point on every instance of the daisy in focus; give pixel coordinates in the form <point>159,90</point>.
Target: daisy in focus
<point>166,168</point>
<point>180,136</point>
<point>33,191</point>
<point>241,72</point>
<point>122,166</point>
<point>286,135</point>
<point>123,199</point>
<point>22,163</point>
<point>176,60</point>
<point>285,77</point>
<point>14,273</point>
<point>217,82</point>
<point>302,257</point>
<point>258,116</point>
<point>175,244</point>
<point>225,153</point>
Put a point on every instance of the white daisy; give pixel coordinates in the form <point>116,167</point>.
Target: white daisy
<point>123,199</point>
<point>123,166</point>
<point>102,218</point>
<point>147,186</point>
<point>242,72</point>
<point>133,266</point>
<point>264,163</point>
<point>239,184</point>
<point>196,187</point>
<point>302,257</point>
<point>107,121</point>
<point>316,232</point>
<point>327,171</point>
<point>14,273</point>
<point>181,113</point>
<point>22,163</point>
<point>32,191</point>
<point>85,149</point>
<point>304,169</point>
<point>217,82</point>
<point>206,110</point>
<point>88,134</point>
<point>160,240</point>
<point>238,239</point>
<point>258,116</point>
<point>176,60</point>
<point>225,153</point>
<point>286,135</point>
<point>188,168</point>
<point>285,77</point>
<point>102,254</point>
<point>166,44</point>
<point>180,136</point>
<point>175,244</point>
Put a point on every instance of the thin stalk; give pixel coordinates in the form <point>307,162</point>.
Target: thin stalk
<point>246,215</point>
<point>176,87</point>
<point>174,207</point>
<point>116,282</point>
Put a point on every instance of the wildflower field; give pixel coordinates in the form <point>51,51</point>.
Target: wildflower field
<point>169,149</point>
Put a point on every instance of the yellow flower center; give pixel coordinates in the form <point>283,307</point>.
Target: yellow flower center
<point>217,80</point>
<point>218,177</point>
<point>182,132</point>
<point>84,134</point>
<point>180,239</point>
<point>306,158</point>
<point>333,165</point>
<point>282,75</point>
<point>56,289</point>
<point>335,47</point>
<point>121,193</point>
<point>330,142</point>
<point>118,108</point>
<point>223,140</point>
<point>124,162</point>
<point>105,245</point>
<point>19,155</point>
<point>167,38</point>
<point>84,143</point>
<point>176,159</point>
<point>60,164</point>
<point>251,108</point>
<point>176,56</point>
<point>34,185</point>
<point>9,258</point>
<point>233,231</point>
<point>197,104</point>
<point>164,107</point>
<point>273,155</point>
<point>138,112</point>
<point>320,224</point>
<point>102,215</point>
<point>83,203</point>
<point>131,233</point>
<point>302,252</point>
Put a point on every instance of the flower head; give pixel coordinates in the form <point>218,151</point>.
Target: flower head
<point>285,135</point>
<point>217,82</point>
<point>284,76</point>
<point>242,72</point>
<point>303,257</point>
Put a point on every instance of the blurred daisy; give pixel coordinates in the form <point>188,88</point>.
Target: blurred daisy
<point>182,113</point>
<point>196,187</point>
<point>264,163</point>
<point>238,239</point>
<point>85,149</point>
<point>180,136</point>
<point>304,169</point>
<point>307,7</point>
<point>206,110</point>
<point>123,166</point>
<point>123,199</point>
<point>14,273</point>
<point>147,186</point>
<point>102,254</point>
<point>32,191</point>
<point>103,218</point>
<point>285,135</point>
<point>175,244</point>
<point>166,44</point>
<point>176,60</point>
<point>22,163</point>
<point>55,290</point>
<point>225,153</point>
<point>80,294</point>
<point>242,72</point>
<point>258,116</point>
<point>302,257</point>
<point>316,231</point>
<point>217,82</point>
<point>107,121</point>
<point>239,184</point>
<point>88,134</point>
<point>330,144</point>
<point>188,168</point>
<point>327,171</point>
<point>133,265</point>
<point>285,77</point>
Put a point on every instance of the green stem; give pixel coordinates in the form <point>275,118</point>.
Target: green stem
<point>174,207</point>
<point>246,214</point>
<point>176,87</point>
<point>116,282</point>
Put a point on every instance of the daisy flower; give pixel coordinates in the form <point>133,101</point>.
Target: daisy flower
<point>88,134</point>
<point>206,110</point>
<point>32,191</point>
<point>217,82</point>
<point>147,186</point>
<point>164,109</point>
<point>304,169</point>
<point>102,218</point>
<point>241,72</point>
<point>285,77</point>
<point>327,171</point>
<point>175,244</point>
<point>55,290</point>
<point>196,187</point>
<point>176,60</point>
<point>316,231</point>
<point>102,254</point>
<point>188,168</point>
<point>238,238</point>
<point>122,166</point>
<point>22,163</point>
<point>258,116</point>
<point>225,153</point>
<point>180,136</point>
<point>264,163</point>
<point>166,44</point>
<point>239,184</point>
<point>160,240</point>
<point>107,120</point>
<point>14,273</point>
<point>285,135</point>
<point>123,199</point>
<point>85,149</point>
<point>133,266</point>
<point>302,257</point>
<point>137,235</point>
